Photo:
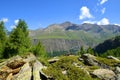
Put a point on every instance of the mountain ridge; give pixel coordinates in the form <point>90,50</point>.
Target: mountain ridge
<point>88,34</point>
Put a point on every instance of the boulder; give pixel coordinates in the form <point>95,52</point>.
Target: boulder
<point>104,74</point>
<point>15,64</point>
<point>111,57</point>
<point>117,72</point>
<point>11,60</point>
<point>30,58</point>
<point>92,61</point>
<point>37,67</point>
<point>89,59</point>
<point>53,60</point>
<point>24,74</point>
<point>9,77</point>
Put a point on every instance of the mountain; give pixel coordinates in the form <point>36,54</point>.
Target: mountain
<point>62,36</point>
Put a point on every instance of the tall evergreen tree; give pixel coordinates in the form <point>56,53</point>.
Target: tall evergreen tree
<point>39,50</point>
<point>3,37</point>
<point>19,41</point>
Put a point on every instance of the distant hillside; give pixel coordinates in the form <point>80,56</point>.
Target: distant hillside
<point>109,44</point>
<point>86,34</point>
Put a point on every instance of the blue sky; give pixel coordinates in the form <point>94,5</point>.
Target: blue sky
<point>41,13</point>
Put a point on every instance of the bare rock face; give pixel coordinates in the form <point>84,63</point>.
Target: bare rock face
<point>104,74</point>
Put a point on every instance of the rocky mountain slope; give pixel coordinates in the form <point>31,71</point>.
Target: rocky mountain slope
<point>86,34</point>
<point>85,67</point>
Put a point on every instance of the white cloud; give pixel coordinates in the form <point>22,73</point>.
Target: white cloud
<point>4,20</point>
<point>85,13</point>
<point>103,10</point>
<point>16,21</point>
<point>104,21</point>
<point>103,1</point>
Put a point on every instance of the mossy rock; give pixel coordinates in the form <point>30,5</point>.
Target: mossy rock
<point>109,62</point>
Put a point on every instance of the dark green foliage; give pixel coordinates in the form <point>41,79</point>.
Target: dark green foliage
<point>3,38</point>
<point>39,50</point>
<point>112,52</point>
<point>23,26</point>
<point>108,45</point>
<point>19,41</point>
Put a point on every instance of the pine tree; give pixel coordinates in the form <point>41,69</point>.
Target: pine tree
<point>3,38</point>
<point>39,50</point>
<point>19,41</point>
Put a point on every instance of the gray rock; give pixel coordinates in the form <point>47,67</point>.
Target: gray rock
<point>118,77</point>
<point>10,60</point>
<point>29,58</point>
<point>37,67</point>
<point>53,60</point>
<point>111,57</point>
<point>24,74</point>
<point>117,72</point>
<point>92,61</point>
<point>104,74</point>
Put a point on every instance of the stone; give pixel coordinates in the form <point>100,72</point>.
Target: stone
<point>37,67</point>
<point>111,57</point>
<point>53,60</point>
<point>9,77</point>
<point>117,70</point>
<point>10,60</point>
<point>104,74</point>
<point>29,58</point>
<point>24,74</point>
<point>15,64</point>
<point>91,60</point>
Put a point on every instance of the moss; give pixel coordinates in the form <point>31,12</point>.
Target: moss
<point>66,63</point>
<point>2,60</point>
<point>75,73</point>
<point>56,74</point>
<point>109,62</point>
<point>43,61</point>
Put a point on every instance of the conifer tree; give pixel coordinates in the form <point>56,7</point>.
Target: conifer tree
<point>39,50</point>
<point>3,38</point>
<point>19,41</point>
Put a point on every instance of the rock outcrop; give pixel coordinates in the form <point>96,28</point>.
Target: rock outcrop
<point>92,61</point>
<point>104,74</point>
<point>29,68</point>
<point>21,68</point>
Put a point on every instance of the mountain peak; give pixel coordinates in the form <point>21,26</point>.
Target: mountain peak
<point>66,24</point>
